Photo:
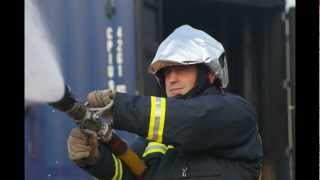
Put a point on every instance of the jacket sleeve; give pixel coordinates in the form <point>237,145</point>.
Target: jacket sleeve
<point>109,167</point>
<point>196,124</point>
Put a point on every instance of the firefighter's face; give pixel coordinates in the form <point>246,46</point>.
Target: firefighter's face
<point>179,80</point>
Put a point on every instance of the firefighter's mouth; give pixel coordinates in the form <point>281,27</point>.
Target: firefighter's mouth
<point>175,89</point>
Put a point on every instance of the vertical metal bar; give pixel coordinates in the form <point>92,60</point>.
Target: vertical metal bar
<point>290,107</point>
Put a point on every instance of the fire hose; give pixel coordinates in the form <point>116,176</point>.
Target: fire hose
<point>91,118</point>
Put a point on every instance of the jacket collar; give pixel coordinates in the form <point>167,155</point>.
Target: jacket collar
<point>211,90</point>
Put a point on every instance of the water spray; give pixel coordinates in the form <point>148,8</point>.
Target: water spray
<point>43,77</point>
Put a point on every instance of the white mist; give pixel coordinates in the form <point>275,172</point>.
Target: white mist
<point>43,78</point>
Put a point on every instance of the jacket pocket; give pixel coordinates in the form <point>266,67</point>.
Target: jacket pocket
<point>201,168</point>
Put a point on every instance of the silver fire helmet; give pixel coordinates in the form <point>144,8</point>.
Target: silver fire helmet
<point>187,46</point>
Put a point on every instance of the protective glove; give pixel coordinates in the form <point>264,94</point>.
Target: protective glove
<point>100,98</point>
<point>83,147</point>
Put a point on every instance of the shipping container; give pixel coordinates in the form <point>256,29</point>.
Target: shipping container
<point>97,51</point>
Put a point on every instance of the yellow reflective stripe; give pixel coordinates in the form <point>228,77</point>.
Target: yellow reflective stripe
<point>118,172</point>
<point>152,144</point>
<point>152,117</point>
<point>155,147</point>
<point>154,151</point>
<point>170,147</point>
<point>157,119</point>
<point>121,169</point>
<point>162,119</point>
<point>115,176</point>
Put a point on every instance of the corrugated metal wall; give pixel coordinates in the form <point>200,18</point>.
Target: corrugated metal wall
<point>96,53</point>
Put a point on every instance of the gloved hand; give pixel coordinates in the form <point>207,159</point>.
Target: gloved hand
<point>100,98</point>
<point>83,147</point>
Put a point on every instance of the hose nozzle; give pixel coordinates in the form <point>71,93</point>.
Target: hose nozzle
<point>72,107</point>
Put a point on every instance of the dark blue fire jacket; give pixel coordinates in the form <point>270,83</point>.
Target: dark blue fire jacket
<point>211,136</point>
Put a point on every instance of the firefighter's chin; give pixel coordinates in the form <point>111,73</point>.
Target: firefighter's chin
<point>173,93</point>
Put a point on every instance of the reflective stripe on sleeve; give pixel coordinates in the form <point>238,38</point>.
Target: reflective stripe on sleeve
<point>170,147</point>
<point>162,119</point>
<point>157,119</point>
<point>154,147</point>
<point>118,172</point>
<point>152,117</point>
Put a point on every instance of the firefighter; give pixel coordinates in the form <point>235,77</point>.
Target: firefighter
<point>195,130</point>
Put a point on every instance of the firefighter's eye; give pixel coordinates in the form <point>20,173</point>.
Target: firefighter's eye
<point>167,70</point>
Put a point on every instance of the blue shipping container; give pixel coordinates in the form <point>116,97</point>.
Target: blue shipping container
<point>96,52</point>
